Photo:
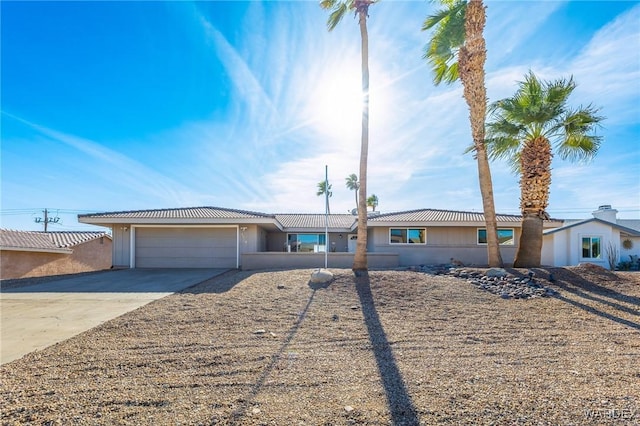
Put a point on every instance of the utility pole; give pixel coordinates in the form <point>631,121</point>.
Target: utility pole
<point>47,220</point>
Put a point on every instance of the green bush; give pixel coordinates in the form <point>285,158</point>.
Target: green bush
<point>624,266</point>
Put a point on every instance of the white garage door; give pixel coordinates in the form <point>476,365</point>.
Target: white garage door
<point>186,247</point>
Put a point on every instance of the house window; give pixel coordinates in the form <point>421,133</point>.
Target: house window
<point>591,248</point>
<point>309,243</point>
<point>407,236</point>
<point>505,236</point>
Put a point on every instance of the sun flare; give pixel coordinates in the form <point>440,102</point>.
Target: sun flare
<point>336,105</point>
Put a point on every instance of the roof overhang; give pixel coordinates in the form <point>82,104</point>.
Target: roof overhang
<point>37,249</point>
<point>109,222</point>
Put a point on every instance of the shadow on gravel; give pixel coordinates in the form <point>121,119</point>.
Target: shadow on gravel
<point>572,283</point>
<point>218,284</point>
<point>401,407</point>
<point>239,412</point>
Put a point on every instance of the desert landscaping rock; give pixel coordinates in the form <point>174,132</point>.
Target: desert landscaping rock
<point>423,348</point>
<point>321,276</point>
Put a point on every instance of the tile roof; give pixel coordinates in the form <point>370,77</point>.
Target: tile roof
<point>73,238</point>
<point>296,221</point>
<point>179,213</point>
<point>60,241</point>
<point>630,223</point>
<point>342,221</point>
<point>431,215</point>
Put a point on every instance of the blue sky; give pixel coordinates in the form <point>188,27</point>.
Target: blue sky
<point>112,106</point>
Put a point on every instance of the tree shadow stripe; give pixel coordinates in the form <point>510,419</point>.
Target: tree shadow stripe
<point>403,412</point>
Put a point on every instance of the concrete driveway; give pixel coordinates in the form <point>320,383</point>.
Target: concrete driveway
<point>36,316</point>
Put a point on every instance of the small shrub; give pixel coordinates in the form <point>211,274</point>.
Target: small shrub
<point>624,266</point>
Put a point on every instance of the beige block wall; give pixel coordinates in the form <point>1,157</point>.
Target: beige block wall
<point>93,255</point>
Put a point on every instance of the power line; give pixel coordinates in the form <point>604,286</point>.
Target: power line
<point>47,220</point>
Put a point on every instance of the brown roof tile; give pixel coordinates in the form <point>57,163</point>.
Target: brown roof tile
<point>431,215</point>
<point>301,221</point>
<point>179,213</point>
<point>336,221</point>
<point>55,241</point>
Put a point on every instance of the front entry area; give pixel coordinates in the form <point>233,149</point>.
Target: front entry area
<point>186,247</point>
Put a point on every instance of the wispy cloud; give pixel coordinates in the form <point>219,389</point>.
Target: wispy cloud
<point>608,71</point>
<point>508,30</point>
<point>116,168</point>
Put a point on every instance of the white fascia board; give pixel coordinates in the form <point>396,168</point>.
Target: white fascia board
<point>37,250</point>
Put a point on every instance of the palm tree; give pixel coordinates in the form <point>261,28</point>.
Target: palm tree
<point>457,50</point>
<point>325,188</point>
<point>522,129</point>
<point>353,185</point>
<point>338,9</point>
<point>372,201</point>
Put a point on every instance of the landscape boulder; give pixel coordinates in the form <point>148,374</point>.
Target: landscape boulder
<point>321,276</point>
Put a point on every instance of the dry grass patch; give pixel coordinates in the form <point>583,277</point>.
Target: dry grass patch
<point>267,348</point>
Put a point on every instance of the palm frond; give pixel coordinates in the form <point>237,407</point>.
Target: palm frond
<point>448,36</point>
<point>580,143</point>
<point>339,10</point>
<point>327,4</point>
<point>539,109</point>
<point>504,148</point>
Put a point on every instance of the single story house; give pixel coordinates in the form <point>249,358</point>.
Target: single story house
<point>602,239</point>
<point>214,237</point>
<point>26,254</point>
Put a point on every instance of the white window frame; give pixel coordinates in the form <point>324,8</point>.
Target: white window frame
<point>513,236</point>
<point>407,228</point>
<point>591,238</point>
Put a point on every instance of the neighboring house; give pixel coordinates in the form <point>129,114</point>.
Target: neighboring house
<point>592,240</point>
<point>213,237</point>
<point>35,254</point>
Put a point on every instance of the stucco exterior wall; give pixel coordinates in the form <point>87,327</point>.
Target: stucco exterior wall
<point>443,244</point>
<point>566,245</point>
<point>634,250</point>
<point>275,260</point>
<point>93,255</point>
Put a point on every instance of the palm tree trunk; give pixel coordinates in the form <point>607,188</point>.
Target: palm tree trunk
<point>360,257</point>
<point>535,167</point>
<point>471,61</point>
<point>486,190</point>
<point>530,247</point>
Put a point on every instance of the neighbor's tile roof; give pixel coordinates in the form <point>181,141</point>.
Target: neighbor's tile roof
<point>36,240</point>
<point>73,238</point>
<point>180,213</point>
<point>344,221</point>
<point>573,223</point>
<point>430,215</point>
<point>630,223</point>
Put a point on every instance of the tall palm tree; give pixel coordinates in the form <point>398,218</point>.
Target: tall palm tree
<point>457,50</point>
<point>372,201</point>
<point>353,185</point>
<point>522,129</point>
<point>338,10</point>
<point>324,188</point>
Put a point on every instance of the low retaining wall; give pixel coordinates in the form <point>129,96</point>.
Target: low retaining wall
<point>278,260</point>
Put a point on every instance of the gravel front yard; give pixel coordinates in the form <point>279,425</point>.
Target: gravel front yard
<point>398,347</point>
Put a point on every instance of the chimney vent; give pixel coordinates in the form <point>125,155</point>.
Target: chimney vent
<point>606,213</point>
